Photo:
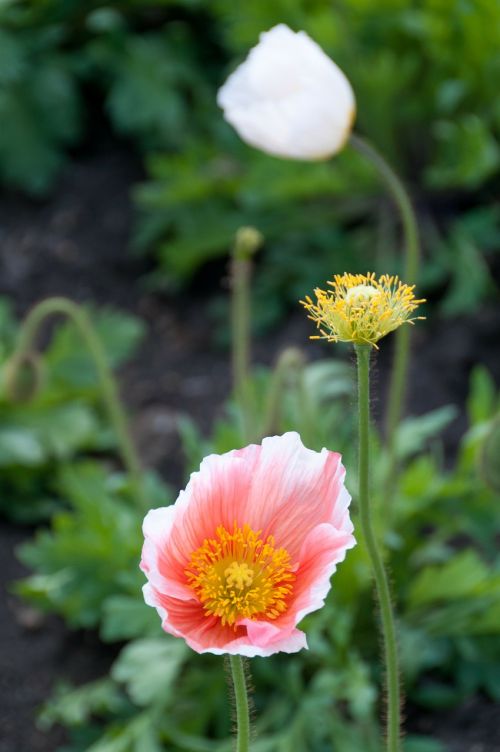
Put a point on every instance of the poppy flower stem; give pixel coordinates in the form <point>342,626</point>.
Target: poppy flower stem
<point>376,559</point>
<point>247,241</point>
<point>399,373</point>
<point>109,389</point>
<point>241,701</point>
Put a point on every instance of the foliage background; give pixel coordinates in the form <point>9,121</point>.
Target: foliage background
<point>426,77</point>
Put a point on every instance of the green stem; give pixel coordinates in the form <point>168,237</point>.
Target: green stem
<point>399,373</point>
<point>377,564</point>
<point>290,365</point>
<point>27,336</point>
<point>246,243</point>
<point>240,335</point>
<point>241,700</point>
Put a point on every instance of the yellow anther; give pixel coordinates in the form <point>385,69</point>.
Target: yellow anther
<point>361,308</point>
<point>239,575</point>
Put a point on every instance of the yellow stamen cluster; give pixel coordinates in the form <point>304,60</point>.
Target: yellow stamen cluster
<point>238,575</point>
<point>361,308</point>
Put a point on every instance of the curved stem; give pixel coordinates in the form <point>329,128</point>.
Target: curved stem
<point>401,199</point>
<point>241,700</point>
<point>27,336</point>
<point>376,560</point>
<point>412,260</point>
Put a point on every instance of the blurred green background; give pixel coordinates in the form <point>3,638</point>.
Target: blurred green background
<point>426,79</point>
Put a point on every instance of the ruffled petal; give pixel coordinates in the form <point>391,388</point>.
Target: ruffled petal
<point>293,490</point>
<point>278,489</point>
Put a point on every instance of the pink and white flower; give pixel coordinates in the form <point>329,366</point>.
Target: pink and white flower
<point>249,547</point>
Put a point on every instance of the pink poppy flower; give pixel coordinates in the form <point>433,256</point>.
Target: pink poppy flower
<point>249,547</point>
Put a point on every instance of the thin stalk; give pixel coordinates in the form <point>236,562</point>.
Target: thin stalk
<point>399,372</point>
<point>241,701</point>
<point>376,560</point>
<point>290,364</point>
<point>247,241</point>
<point>240,336</point>
<point>109,390</point>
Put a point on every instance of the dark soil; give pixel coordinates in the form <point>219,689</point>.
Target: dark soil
<point>75,244</point>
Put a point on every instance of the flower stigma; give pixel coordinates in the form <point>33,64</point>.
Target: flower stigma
<point>361,308</point>
<point>239,575</point>
<point>361,293</point>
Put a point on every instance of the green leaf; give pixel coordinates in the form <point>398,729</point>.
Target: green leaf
<point>39,109</point>
<point>414,433</point>
<point>422,744</point>
<point>68,359</point>
<point>124,618</point>
<point>33,434</point>
<point>20,446</point>
<point>136,735</point>
<point>482,400</point>
<point>73,707</point>
<point>471,280</point>
<point>149,668</point>
<point>464,575</point>
<point>92,551</point>
<point>466,153</point>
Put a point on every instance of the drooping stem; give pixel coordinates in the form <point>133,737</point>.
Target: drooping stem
<point>241,701</point>
<point>399,372</point>
<point>379,574</point>
<point>246,243</point>
<point>109,390</point>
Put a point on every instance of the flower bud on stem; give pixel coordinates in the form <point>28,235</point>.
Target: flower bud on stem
<point>24,377</point>
<point>109,390</point>
<point>376,559</point>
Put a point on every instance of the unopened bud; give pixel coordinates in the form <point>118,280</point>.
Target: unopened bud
<point>247,241</point>
<point>23,377</point>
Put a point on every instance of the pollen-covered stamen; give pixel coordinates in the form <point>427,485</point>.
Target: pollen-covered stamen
<point>239,575</point>
<point>361,308</point>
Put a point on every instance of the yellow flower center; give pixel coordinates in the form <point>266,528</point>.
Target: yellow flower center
<point>239,575</point>
<point>361,308</point>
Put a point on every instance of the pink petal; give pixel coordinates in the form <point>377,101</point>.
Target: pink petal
<point>204,634</point>
<point>279,488</point>
<point>293,490</point>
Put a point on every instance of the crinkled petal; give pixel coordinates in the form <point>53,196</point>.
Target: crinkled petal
<point>280,489</point>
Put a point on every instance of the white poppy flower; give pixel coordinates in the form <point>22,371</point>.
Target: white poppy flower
<point>288,98</point>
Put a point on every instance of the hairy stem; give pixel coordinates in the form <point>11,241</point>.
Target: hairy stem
<point>376,560</point>
<point>241,700</point>
<point>399,372</point>
<point>109,390</point>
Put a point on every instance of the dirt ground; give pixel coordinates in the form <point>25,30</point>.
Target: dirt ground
<point>75,244</point>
